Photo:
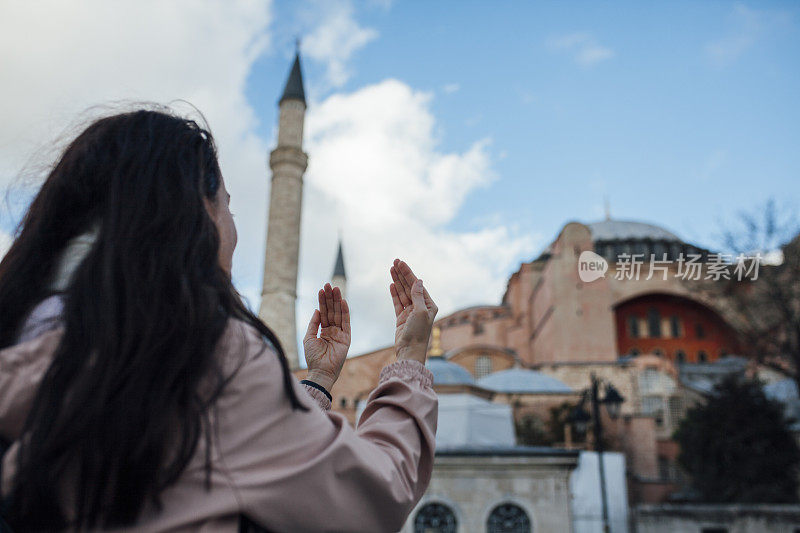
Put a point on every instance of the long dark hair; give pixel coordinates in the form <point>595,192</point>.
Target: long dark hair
<point>121,408</point>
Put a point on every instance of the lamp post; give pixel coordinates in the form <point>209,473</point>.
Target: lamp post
<point>580,418</point>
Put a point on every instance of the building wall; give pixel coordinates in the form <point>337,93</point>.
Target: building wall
<point>744,518</point>
<point>478,359</point>
<point>472,486</point>
<point>563,305</point>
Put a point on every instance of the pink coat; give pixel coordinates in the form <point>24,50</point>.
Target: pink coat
<point>288,470</point>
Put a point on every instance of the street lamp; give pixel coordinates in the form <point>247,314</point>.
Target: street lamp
<point>580,419</point>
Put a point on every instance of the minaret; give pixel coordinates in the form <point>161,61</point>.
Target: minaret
<point>339,278</point>
<point>288,162</point>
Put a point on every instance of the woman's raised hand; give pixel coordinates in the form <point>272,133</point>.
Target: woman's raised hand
<point>414,310</point>
<point>325,354</point>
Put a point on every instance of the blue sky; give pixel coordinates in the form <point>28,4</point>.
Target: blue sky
<point>692,117</point>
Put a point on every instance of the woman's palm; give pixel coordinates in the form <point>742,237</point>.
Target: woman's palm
<point>329,350</point>
<point>325,354</point>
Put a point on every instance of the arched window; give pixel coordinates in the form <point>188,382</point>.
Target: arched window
<point>699,331</point>
<point>633,326</point>
<point>702,357</point>
<point>659,352</point>
<point>634,352</point>
<point>680,356</point>
<point>675,326</point>
<point>343,403</point>
<point>435,518</point>
<point>508,518</point>
<point>483,366</point>
<point>653,323</point>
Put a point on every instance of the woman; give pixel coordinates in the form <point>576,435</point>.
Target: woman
<point>139,392</point>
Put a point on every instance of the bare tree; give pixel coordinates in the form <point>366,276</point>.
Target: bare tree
<point>768,309</point>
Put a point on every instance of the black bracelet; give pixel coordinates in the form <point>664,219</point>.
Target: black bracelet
<point>318,387</point>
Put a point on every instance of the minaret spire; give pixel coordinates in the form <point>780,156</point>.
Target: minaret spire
<point>339,278</point>
<point>288,162</point>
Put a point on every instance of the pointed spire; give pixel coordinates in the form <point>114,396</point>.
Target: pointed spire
<point>338,270</point>
<point>294,85</point>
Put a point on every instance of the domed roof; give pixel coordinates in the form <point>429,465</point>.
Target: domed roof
<point>621,230</point>
<point>523,380</point>
<point>447,373</point>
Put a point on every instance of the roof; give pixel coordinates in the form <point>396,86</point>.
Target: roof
<point>338,270</point>
<point>702,377</point>
<point>447,373</point>
<point>613,230</point>
<point>466,420</point>
<point>523,380</point>
<point>294,85</point>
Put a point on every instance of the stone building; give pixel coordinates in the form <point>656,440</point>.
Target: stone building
<point>538,348</point>
<point>650,330</point>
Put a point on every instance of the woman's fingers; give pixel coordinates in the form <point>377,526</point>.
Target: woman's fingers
<point>402,291</point>
<point>407,275</point>
<point>329,304</point>
<point>416,295</point>
<point>313,325</point>
<point>323,309</point>
<point>345,317</point>
<point>337,307</point>
<point>398,307</point>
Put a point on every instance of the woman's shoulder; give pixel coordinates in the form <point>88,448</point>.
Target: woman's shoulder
<point>241,343</point>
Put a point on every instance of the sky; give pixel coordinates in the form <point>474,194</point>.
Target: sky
<point>457,135</point>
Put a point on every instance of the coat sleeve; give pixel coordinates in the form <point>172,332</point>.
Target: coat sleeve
<point>311,470</point>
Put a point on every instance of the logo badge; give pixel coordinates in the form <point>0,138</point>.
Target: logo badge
<point>591,266</point>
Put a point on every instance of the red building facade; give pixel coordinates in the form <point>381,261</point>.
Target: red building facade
<point>677,328</point>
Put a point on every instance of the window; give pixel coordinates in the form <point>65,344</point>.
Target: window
<point>675,404</point>
<point>680,356</point>
<point>700,333</point>
<point>702,357</point>
<point>714,530</point>
<point>483,366</point>
<point>634,352</point>
<point>659,352</point>
<point>343,403</point>
<point>508,518</point>
<point>435,518</point>
<point>648,380</point>
<point>675,326</point>
<point>477,328</point>
<point>654,406</point>
<point>633,326</point>
<point>653,323</point>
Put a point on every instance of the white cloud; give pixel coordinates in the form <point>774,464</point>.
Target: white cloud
<point>376,173</point>
<point>748,26</point>
<point>336,36</point>
<point>61,58</point>
<point>450,88</point>
<point>582,47</point>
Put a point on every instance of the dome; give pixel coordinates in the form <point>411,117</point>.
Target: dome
<point>447,373</point>
<point>522,380</point>
<point>622,230</point>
